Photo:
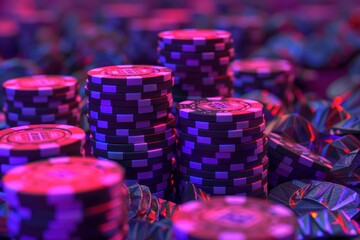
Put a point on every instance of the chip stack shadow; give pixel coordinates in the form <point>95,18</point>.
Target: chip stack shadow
<point>42,99</point>
<point>222,146</point>
<point>130,121</point>
<point>200,59</point>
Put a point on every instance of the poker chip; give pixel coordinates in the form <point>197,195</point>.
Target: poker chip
<point>124,110</point>
<point>128,89</point>
<point>325,195</point>
<point>260,219</point>
<point>275,76</point>
<point>220,126</point>
<point>40,85</point>
<point>59,205</point>
<point>199,59</point>
<point>42,99</point>
<point>129,75</point>
<point>129,121</point>
<point>293,161</point>
<point>220,109</point>
<point>220,140</point>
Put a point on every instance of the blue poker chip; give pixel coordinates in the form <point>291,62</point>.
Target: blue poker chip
<point>297,154</point>
<point>324,195</point>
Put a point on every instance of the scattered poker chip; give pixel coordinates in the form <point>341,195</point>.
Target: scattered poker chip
<point>129,75</point>
<point>128,89</point>
<point>194,36</point>
<point>160,127</point>
<point>126,96</point>
<point>220,126</point>
<point>220,109</point>
<point>325,195</point>
<point>224,174</point>
<point>260,219</point>
<point>134,103</point>
<point>133,139</point>
<point>126,110</point>
<point>44,140</point>
<point>196,56</point>
<point>254,147</point>
<point>294,152</point>
<point>129,117</point>
<point>327,224</point>
<point>216,47</point>
<point>40,85</point>
<point>34,111</point>
<point>59,205</point>
<point>133,147</point>
<point>154,153</point>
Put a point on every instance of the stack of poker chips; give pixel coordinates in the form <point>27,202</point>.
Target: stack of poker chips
<point>25,144</point>
<point>129,120</point>
<point>42,99</point>
<point>50,200</point>
<point>222,146</point>
<point>290,161</point>
<point>233,217</point>
<point>200,59</point>
<point>258,73</point>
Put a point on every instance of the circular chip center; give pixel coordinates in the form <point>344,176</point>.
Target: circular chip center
<point>129,71</point>
<point>36,136</point>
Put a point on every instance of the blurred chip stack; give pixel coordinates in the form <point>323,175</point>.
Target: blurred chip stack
<point>129,120</point>
<point>42,99</point>
<point>49,200</point>
<point>200,60</point>
<point>232,217</point>
<point>25,144</point>
<point>274,75</point>
<point>222,146</point>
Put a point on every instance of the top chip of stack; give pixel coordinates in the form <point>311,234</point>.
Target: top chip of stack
<point>222,146</point>
<point>199,59</point>
<point>42,99</point>
<point>129,120</point>
<point>48,199</point>
<point>233,217</point>
<point>24,144</point>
